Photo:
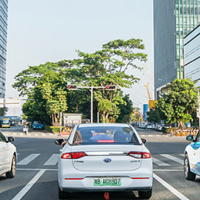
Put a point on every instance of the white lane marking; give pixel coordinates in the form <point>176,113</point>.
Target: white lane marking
<point>170,188</point>
<point>28,159</point>
<point>36,134</point>
<point>21,134</point>
<point>43,134</point>
<point>52,160</point>
<point>14,133</point>
<point>178,160</point>
<point>182,154</point>
<point>157,135</point>
<point>159,162</point>
<point>51,134</point>
<point>29,185</point>
<point>35,169</point>
<point>150,135</point>
<point>168,170</point>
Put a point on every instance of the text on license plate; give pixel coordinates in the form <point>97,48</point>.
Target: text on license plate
<point>107,181</point>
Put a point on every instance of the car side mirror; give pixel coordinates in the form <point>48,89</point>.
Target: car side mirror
<point>190,138</point>
<point>58,142</point>
<point>143,141</point>
<point>10,139</point>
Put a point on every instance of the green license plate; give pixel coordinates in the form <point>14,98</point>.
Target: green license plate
<point>107,182</point>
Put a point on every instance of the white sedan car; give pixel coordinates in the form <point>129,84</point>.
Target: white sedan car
<point>104,158</point>
<point>192,157</point>
<point>8,156</point>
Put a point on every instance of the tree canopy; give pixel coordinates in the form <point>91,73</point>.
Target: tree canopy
<point>107,66</point>
<point>178,100</point>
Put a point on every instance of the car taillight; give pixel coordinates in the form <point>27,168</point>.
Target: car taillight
<point>142,155</point>
<point>73,155</point>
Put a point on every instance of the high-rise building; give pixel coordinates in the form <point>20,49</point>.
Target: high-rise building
<point>173,19</point>
<point>3,44</point>
<point>192,55</point>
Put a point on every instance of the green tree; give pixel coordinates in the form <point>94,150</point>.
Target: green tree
<point>3,111</point>
<point>135,115</point>
<point>179,100</point>
<point>109,67</point>
<point>125,110</point>
<point>49,99</point>
<point>154,115</point>
<point>26,80</point>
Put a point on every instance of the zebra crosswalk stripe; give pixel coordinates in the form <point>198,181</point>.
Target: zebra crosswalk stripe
<point>28,159</point>
<point>52,160</point>
<point>159,162</point>
<point>175,159</point>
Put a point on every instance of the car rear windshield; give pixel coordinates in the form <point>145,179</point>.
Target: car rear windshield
<point>105,135</point>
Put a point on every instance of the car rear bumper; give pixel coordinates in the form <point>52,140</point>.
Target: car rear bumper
<point>104,189</point>
<point>87,185</point>
<point>137,180</point>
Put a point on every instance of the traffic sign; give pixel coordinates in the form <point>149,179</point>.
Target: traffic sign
<point>152,103</point>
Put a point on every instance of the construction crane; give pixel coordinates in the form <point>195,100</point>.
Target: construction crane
<point>150,96</point>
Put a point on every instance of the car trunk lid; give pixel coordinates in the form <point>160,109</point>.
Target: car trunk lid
<point>107,158</point>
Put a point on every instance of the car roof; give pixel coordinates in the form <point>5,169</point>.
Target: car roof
<point>103,125</point>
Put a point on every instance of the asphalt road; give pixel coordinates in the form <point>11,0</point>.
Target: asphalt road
<point>37,178</point>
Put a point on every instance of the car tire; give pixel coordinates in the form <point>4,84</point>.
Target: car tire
<point>187,173</point>
<point>63,195</point>
<point>12,172</point>
<point>145,195</point>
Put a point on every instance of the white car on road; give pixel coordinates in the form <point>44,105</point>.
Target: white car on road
<point>104,158</point>
<point>8,156</point>
<point>192,157</point>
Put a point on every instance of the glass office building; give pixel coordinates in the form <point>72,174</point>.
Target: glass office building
<point>173,20</point>
<point>3,44</point>
<point>192,55</point>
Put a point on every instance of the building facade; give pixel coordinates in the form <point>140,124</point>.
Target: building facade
<point>3,45</point>
<point>173,19</point>
<point>192,55</point>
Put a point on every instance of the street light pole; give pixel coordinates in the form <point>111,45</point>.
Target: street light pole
<point>108,87</point>
<point>91,116</point>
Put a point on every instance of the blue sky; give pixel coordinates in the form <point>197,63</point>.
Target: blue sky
<point>52,30</point>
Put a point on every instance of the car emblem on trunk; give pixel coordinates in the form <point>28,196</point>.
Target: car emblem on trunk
<point>107,160</point>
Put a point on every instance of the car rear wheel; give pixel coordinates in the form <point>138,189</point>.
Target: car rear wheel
<point>63,195</point>
<point>145,195</point>
<point>12,172</point>
<point>188,174</point>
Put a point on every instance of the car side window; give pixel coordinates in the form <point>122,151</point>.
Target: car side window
<point>2,138</point>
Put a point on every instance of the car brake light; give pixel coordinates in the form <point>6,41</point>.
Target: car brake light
<point>105,141</point>
<point>73,155</point>
<point>141,155</point>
